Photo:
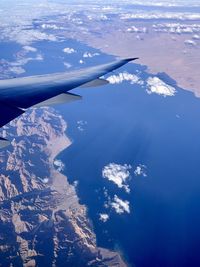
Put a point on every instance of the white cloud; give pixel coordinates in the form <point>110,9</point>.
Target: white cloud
<point>17,70</point>
<point>120,206</point>
<point>51,27</point>
<point>59,165</point>
<point>105,192</point>
<point>140,170</point>
<point>118,174</point>
<point>190,42</point>
<point>162,3</point>
<point>16,22</point>
<point>30,48</point>
<point>90,55</point>
<point>81,61</point>
<point>103,17</point>
<point>81,125</point>
<point>137,29</point>
<point>21,61</point>
<point>29,36</point>
<point>160,15</point>
<point>69,50</point>
<point>67,65</point>
<point>103,217</point>
<point>45,180</point>
<point>196,37</point>
<point>75,183</point>
<point>157,86</point>
<point>39,57</point>
<point>124,76</point>
<point>177,28</point>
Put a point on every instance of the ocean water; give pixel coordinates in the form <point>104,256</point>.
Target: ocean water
<point>8,50</point>
<point>125,125</point>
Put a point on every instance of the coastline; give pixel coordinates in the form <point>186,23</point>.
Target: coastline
<point>76,212</point>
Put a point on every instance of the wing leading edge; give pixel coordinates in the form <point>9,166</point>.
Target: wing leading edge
<point>21,93</point>
<point>29,91</point>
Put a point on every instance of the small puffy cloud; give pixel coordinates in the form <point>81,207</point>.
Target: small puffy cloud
<point>140,170</point>
<point>45,180</point>
<point>138,37</point>
<point>136,29</point>
<point>118,174</point>
<point>157,86</point>
<point>103,217</point>
<point>67,65</point>
<point>90,55</point>
<point>59,165</point>
<point>69,50</point>
<point>105,192</point>
<point>120,206</point>
<point>17,70</point>
<point>23,60</point>
<point>50,27</point>
<point>124,76</point>
<point>81,125</point>
<point>196,37</point>
<point>39,57</point>
<point>29,48</point>
<point>81,61</point>
<point>27,37</point>
<point>190,42</point>
<point>75,183</point>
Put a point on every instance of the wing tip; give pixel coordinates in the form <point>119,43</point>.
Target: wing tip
<point>130,59</point>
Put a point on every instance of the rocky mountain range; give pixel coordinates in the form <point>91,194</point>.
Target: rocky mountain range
<point>42,222</point>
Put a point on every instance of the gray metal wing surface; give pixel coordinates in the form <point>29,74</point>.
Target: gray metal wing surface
<point>18,94</point>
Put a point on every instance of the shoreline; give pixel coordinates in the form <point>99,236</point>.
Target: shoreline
<point>69,203</point>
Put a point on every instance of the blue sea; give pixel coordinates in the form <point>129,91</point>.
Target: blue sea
<point>123,124</point>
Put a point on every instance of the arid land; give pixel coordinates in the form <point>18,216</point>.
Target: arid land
<point>42,222</point>
<point>159,48</point>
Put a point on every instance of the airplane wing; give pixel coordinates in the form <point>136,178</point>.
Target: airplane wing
<point>19,94</point>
